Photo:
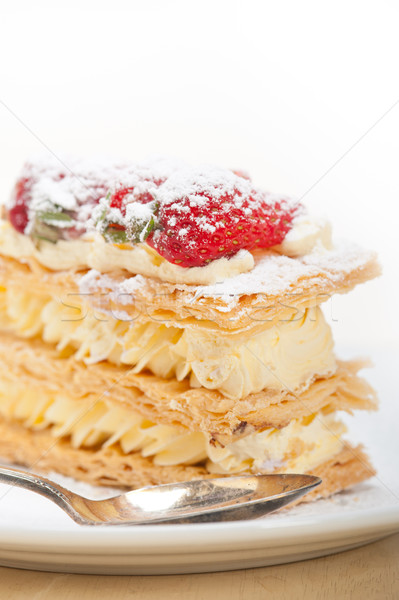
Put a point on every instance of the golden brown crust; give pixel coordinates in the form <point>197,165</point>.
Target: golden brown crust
<point>39,451</point>
<point>180,306</point>
<point>171,402</point>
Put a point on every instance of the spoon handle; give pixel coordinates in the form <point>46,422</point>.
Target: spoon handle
<point>59,495</point>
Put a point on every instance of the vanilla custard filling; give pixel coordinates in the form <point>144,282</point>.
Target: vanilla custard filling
<point>288,355</point>
<point>299,447</point>
<point>94,253</point>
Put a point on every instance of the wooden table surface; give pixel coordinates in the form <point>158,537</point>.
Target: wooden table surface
<point>367,573</point>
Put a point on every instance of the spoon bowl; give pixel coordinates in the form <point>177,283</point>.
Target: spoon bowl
<point>219,499</point>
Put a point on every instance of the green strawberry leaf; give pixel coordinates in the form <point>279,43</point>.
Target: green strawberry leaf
<point>115,235</point>
<point>54,218</point>
<point>145,232</point>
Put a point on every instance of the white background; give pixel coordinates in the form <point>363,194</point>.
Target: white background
<point>281,89</point>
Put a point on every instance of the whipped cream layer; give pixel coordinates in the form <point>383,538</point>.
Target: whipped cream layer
<point>288,355</point>
<point>299,447</point>
<point>94,253</point>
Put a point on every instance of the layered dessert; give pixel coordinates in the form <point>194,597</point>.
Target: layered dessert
<point>162,322</point>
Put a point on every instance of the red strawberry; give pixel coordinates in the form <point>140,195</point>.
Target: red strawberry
<point>120,197</point>
<point>200,227</point>
<point>18,214</point>
<point>194,235</point>
<point>117,198</point>
<point>119,227</point>
<point>43,223</point>
<point>195,216</point>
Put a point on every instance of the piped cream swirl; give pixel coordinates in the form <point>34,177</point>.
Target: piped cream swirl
<point>286,356</point>
<point>300,446</point>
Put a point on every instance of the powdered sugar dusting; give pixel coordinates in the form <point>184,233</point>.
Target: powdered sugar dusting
<point>204,197</point>
<point>196,183</point>
<point>272,275</point>
<point>93,281</point>
<point>76,185</point>
<point>275,274</point>
<point>197,213</point>
<point>123,292</point>
<point>70,184</point>
<point>126,290</point>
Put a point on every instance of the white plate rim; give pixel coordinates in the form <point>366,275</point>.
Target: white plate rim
<point>195,538</point>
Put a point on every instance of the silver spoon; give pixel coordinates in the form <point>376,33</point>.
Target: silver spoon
<point>222,499</point>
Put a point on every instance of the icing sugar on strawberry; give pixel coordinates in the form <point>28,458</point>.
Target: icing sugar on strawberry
<point>197,215</point>
<point>209,213</point>
<point>190,216</point>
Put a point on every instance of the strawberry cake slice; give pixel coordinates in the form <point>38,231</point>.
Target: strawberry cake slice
<point>161,322</point>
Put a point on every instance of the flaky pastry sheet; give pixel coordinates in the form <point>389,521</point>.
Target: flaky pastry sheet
<point>171,402</point>
<point>250,301</point>
<point>39,451</point>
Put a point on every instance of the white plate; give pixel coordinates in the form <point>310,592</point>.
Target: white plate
<point>46,540</point>
<point>36,534</point>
